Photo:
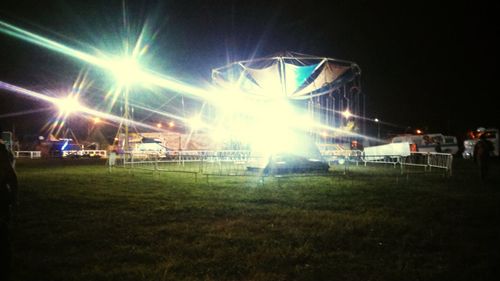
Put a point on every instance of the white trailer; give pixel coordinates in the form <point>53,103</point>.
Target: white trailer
<point>430,142</point>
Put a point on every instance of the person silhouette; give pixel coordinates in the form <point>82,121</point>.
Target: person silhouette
<point>438,147</point>
<point>482,152</point>
<point>8,198</point>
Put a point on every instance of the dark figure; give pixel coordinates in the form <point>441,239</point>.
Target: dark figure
<point>438,147</point>
<point>482,152</point>
<point>8,198</point>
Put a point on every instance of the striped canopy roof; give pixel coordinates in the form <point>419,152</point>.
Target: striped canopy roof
<point>293,76</point>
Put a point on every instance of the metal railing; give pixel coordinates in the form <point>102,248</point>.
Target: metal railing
<point>429,160</point>
<point>340,156</point>
<point>67,153</point>
<point>85,153</point>
<point>426,160</point>
<point>28,154</point>
<point>240,162</point>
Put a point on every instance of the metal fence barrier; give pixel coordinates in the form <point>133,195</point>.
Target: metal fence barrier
<point>340,156</point>
<point>239,162</point>
<point>85,153</point>
<point>224,162</point>
<point>28,154</point>
<point>66,153</point>
<point>426,160</point>
<point>382,159</point>
<point>429,160</point>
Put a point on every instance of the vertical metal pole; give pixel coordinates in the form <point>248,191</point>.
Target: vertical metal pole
<point>126,117</point>
<point>364,111</point>
<point>156,162</point>
<point>282,76</point>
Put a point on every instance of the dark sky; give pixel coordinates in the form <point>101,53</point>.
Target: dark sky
<point>424,63</point>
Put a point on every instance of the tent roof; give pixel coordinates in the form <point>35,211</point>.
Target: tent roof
<point>292,75</point>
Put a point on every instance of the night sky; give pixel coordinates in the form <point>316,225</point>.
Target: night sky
<point>424,64</point>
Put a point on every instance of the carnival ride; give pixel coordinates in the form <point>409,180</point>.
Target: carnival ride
<point>325,87</point>
<point>301,101</point>
<point>276,104</point>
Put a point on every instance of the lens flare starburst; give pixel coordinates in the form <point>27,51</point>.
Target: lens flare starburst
<point>270,123</point>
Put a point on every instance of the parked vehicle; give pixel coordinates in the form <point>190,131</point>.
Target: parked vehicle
<point>150,145</point>
<point>473,137</point>
<point>429,142</point>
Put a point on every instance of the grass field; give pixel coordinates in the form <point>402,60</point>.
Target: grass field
<point>80,222</point>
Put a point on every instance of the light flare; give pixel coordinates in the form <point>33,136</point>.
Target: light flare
<point>126,70</point>
<point>114,65</point>
<point>81,109</point>
<point>68,105</point>
<point>270,124</point>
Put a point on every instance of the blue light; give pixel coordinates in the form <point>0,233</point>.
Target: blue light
<point>64,145</point>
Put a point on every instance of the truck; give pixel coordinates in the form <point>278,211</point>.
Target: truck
<point>429,142</point>
<point>491,135</point>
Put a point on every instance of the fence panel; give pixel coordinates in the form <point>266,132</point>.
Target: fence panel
<point>429,160</point>
<point>241,162</point>
<point>28,154</point>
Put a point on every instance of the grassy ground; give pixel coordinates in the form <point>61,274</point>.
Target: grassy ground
<point>80,222</point>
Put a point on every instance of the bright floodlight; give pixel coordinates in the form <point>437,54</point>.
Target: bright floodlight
<point>171,124</point>
<point>68,104</point>
<point>347,114</point>
<point>195,122</point>
<point>303,121</point>
<point>376,120</point>
<point>220,134</point>
<point>126,70</point>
